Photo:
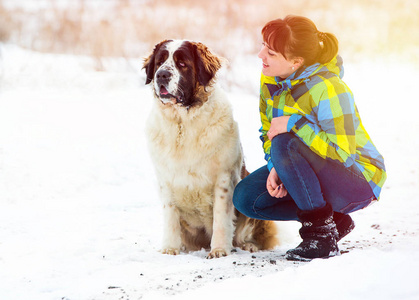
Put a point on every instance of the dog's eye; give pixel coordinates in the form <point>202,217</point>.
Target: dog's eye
<point>181,64</point>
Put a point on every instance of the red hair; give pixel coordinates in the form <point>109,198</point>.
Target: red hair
<point>296,36</point>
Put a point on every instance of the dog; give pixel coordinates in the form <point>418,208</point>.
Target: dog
<point>195,147</point>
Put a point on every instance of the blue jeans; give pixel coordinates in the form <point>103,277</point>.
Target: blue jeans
<point>310,180</point>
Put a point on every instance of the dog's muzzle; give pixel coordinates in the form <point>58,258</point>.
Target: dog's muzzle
<point>163,78</point>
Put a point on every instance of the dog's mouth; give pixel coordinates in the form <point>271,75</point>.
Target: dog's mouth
<point>164,94</point>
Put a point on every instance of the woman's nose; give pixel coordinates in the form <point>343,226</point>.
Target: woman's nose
<point>260,54</point>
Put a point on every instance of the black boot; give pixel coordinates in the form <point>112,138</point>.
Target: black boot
<point>319,235</point>
<point>344,224</point>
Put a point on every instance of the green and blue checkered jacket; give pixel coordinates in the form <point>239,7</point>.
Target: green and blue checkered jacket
<point>324,116</point>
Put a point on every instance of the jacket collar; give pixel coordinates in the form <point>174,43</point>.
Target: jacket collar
<point>335,66</point>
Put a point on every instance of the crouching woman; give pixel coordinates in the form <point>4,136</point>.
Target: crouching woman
<point>321,163</point>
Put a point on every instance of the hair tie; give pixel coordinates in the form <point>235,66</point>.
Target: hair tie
<point>321,35</point>
<point>322,38</point>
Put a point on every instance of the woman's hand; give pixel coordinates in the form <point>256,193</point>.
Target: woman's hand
<point>278,126</point>
<point>275,186</point>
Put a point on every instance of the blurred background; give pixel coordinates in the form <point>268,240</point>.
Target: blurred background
<point>129,28</point>
<point>79,204</point>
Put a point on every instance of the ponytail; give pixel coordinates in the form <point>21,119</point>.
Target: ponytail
<point>328,47</point>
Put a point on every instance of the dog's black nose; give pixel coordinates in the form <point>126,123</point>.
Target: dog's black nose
<point>163,75</point>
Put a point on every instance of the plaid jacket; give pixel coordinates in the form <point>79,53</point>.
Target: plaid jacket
<point>324,116</point>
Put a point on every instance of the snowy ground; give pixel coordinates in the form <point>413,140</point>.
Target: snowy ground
<point>80,216</point>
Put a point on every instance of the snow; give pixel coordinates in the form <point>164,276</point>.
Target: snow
<point>80,216</point>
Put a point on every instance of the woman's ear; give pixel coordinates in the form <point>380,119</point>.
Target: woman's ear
<point>297,62</point>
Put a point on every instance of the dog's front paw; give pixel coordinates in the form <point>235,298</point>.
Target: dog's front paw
<point>171,251</point>
<point>249,246</point>
<point>217,252</point>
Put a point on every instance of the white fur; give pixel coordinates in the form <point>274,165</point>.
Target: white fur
<point>198,159</point>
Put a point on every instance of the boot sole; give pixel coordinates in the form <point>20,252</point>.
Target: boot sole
<point>295,257</point>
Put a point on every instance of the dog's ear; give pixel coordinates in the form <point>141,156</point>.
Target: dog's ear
<point>206,62</point>
<point>148,65</point>
<point>149,62</point>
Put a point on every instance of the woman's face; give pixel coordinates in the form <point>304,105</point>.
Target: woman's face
<point>274,63</point>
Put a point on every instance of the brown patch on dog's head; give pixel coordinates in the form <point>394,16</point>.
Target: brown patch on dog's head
<point>206,62</point>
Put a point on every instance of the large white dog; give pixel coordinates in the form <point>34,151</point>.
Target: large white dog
<point>194,144</point>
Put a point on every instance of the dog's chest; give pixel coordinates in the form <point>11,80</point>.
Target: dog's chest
<point>181,139</point>
<point>187,146</point>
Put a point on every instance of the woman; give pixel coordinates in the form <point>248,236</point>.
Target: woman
<point>321,162</point>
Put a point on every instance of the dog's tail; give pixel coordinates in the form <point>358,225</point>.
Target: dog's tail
<point>262,234</point>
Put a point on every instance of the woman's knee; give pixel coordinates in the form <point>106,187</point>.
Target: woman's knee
<point>281,148</point>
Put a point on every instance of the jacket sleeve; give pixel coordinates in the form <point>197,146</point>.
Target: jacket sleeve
<point>266,143</point>
<point>329,130</point>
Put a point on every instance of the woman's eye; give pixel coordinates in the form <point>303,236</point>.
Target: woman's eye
<point>269,52</point>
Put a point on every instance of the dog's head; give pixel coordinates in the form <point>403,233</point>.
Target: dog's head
<point>178,69</point>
